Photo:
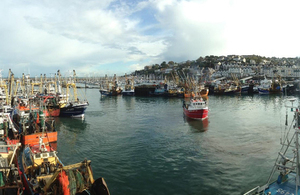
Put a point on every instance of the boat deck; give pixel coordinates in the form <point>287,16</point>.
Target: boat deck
<point>285,188</point>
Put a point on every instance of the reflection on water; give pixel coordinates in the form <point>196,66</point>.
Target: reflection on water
<point>108,98</point>
<point>71,124</point>
<point>197,125</point>
<point>136,141</point>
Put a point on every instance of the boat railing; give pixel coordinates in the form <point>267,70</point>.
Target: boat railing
<point>253,191</point>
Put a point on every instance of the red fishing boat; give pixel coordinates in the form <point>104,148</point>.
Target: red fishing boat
<point>34,125</point>
<point>196,108</point>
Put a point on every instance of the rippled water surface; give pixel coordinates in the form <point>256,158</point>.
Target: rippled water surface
<point>144,145</point>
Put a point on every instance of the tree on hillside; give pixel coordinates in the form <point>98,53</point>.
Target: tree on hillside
<point>199,60</point>
<point>164,64</point>
<point>171,63</point>
<point>155,67</point>
<point>187,63</point>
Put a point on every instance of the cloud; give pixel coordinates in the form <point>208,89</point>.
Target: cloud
<point>222,27</point>
<point>117,35</point>
<point>57,35</point>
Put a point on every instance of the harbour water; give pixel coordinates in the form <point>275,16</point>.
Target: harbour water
<point>144,145</point>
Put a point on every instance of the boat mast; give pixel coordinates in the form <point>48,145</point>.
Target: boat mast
<point>55,83</point>
<point>23,84</point>
<point>3,85</point>
<point>288,141</point>
<point>41,84</point>
<point>45,82</point>
<point>59,81</point>
<point>11,87</point>
<point>74,85</point>
<point>297,150</point>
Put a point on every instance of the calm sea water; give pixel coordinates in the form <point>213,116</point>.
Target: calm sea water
<point>144,145</point>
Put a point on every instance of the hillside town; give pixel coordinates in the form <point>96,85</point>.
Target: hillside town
<point>226,66</point>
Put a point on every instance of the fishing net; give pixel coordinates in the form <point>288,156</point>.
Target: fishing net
<point>72,182</point>
<point>79,180</point>
<point>64,182</point>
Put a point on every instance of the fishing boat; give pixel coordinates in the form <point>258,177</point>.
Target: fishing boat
<point>264,87</point>
<point>219,88</point>
<point>44,173</point>
<point>180,93</point>
<point>75,109</point>
<point>173,92</point>
<point>106,92</point>
<point>71,107</point>
<point>232,89</point>
<point>129,87</point>
<point>110,88</point>
<point>31,124</point>
<point>10,180</point>
<point>286,167</point>
<point>270,86</point>
<point>196,108</point>
<point>160,90</point>
<point>145,89</point>
<point>49,102</point>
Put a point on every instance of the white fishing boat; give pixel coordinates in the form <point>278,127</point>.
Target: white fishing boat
<point>129,87</point>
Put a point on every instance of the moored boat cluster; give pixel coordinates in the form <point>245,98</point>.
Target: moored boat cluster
<point>28,138</point>
<point>194,86</point>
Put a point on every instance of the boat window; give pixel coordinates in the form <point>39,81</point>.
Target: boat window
<point>37,156</point>
<point>45,155</point>
<point>51,154</point>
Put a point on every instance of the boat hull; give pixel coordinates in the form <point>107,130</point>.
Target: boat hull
<point>263,91</point>
<point>73,111</point>
<point>128,93</point>
<point>269,91</point>
<point>200,114</point>
<point>144,90</point>
<point>109,92</point>
<point>52,112</point>
<point>105,93</point>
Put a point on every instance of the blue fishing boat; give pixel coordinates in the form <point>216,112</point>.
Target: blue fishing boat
<point>71,106</point>
<point>75,109</point>
<point>106,92</point>
<point>286,167</point>
<point>270,86</point>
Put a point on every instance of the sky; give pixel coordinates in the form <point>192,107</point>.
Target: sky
<point>98,37</point>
